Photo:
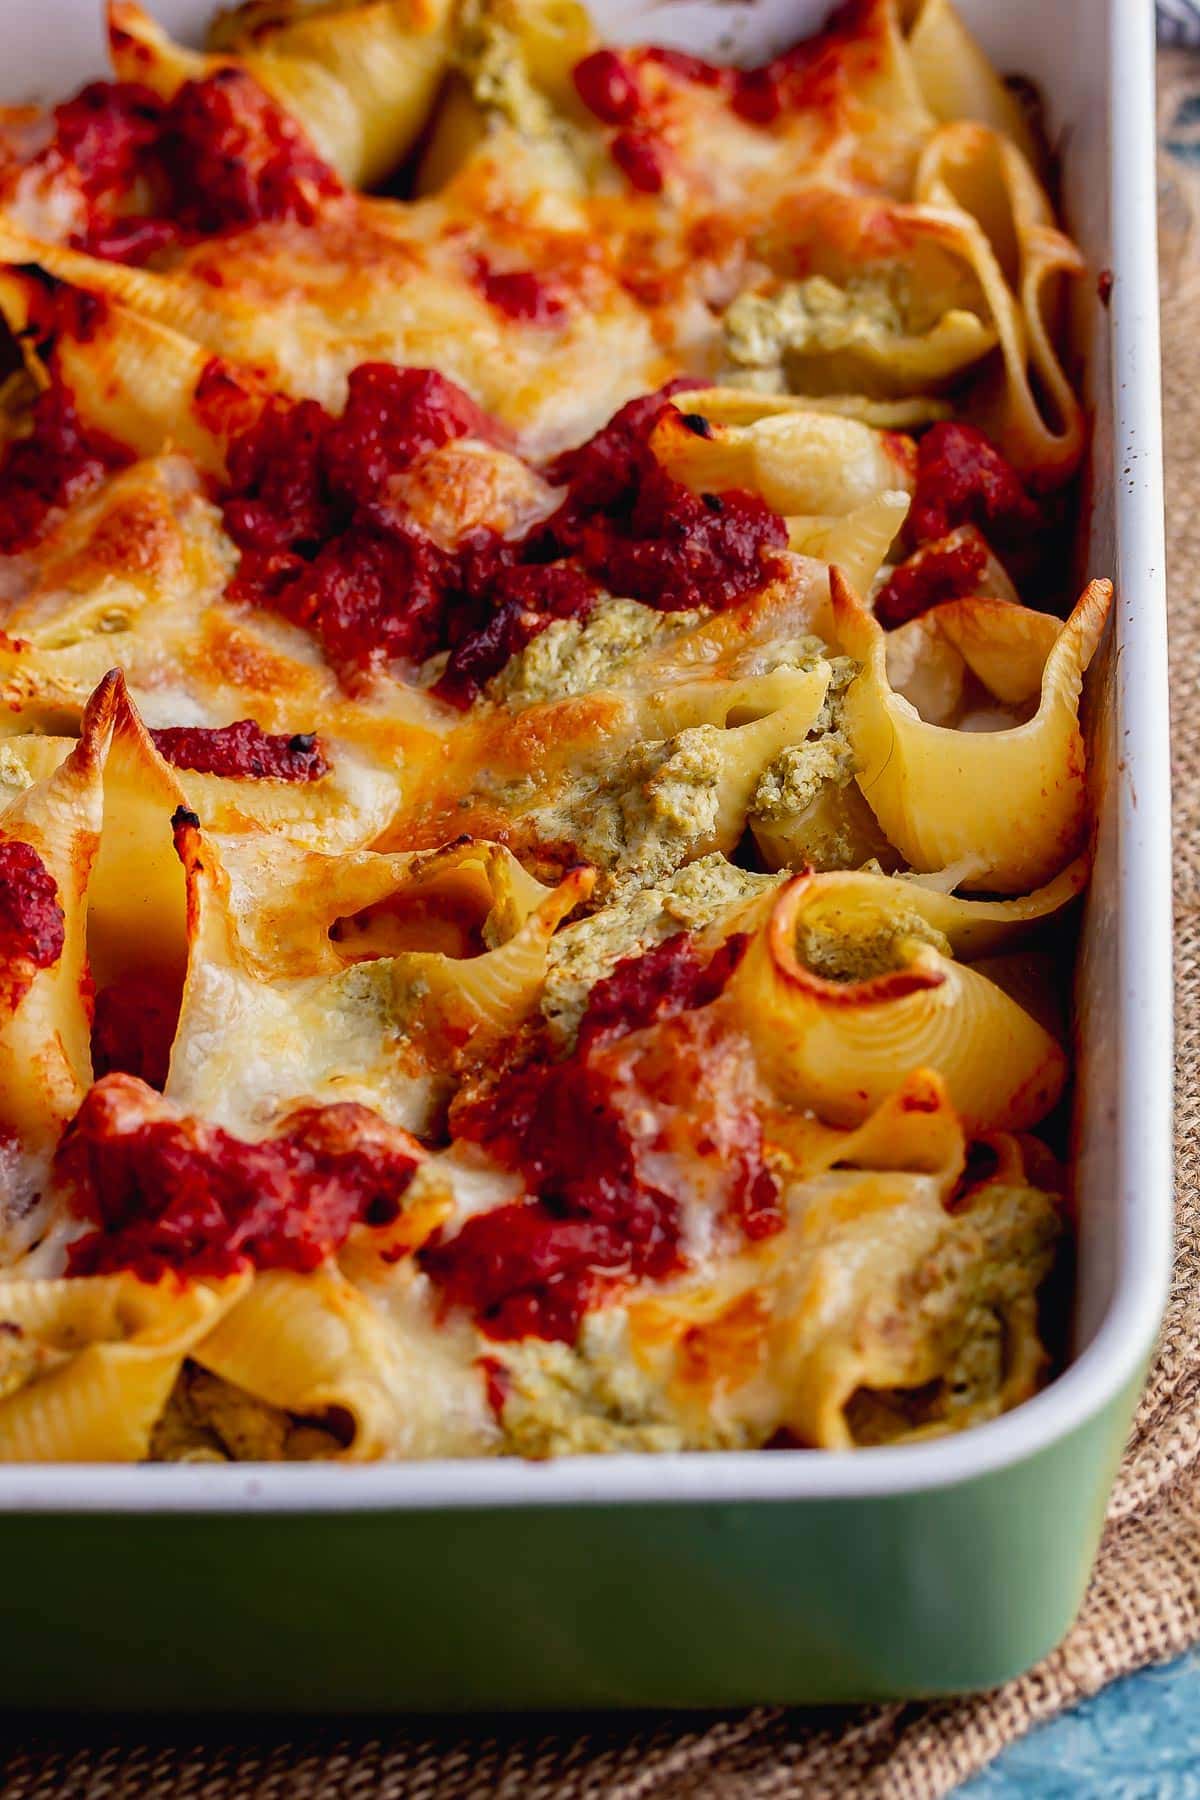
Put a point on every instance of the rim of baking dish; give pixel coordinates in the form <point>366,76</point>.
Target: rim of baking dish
<point>1124,1339</point>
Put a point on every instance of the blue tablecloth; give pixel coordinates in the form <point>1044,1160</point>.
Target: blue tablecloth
<point>1138,1740</point>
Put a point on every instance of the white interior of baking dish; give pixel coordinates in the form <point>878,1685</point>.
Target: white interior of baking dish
<point>1093,63</point>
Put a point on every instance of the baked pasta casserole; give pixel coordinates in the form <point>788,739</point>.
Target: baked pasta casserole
<point>541,785</point>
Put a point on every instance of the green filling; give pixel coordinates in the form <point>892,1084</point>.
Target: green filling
<point>817,317</point>
<point>839,950</point>
<point>790,784</point>
<point>583,953</point>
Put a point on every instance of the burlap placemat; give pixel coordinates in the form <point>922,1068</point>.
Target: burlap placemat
<point>1144,1602</point>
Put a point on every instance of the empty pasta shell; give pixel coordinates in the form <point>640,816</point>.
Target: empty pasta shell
<point>745,405</point>
<point>798,462</point>
<point>858,541</point>
<point>1024,263</point>
<point>956,78</point>
<point>471,1003</point>
<point>914,1129</point>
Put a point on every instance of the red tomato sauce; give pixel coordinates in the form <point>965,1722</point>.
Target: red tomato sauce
<point>608,87</point>
<point>497,1383</point>
<point>134,1026</point>
<point>962,479</point>
<point>57,310</point>
<point>626,525</point>
<point>130,239</point>
<point>242,751</point>
<point>518,293</point>
<point>524,601</point>
<point>645,535</point>
<point>31,919</point>
<point>52,466</point>
<point>945,570</point>
<point>232,156</point>
<point>220,156</point>
<point>324,544</point>
<point>169,1192</point>
<point>811,75</point>
<point>223,400</point>
<point>532,1268</point>
<point>754,1190</point>
<point>105,134</point>
<point>664,981</point>
<point>641,159</point>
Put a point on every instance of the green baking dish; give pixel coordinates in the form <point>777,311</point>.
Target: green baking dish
<point>560,1599</point>
<point>704,1580</point>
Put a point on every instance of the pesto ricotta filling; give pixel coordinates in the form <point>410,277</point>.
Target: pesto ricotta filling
<point>596,1396</point>
<point>961,1302</point>
<point>575,657</point>
<point>816,317</point>
<point>488,54</point>
<point>840,948</point>
<point>790,784</point>
<point>654,811</point>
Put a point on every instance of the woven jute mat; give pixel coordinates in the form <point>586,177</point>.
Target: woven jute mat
<point>1144,1601</point>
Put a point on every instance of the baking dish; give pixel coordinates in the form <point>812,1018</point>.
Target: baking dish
<point>705,1580</point>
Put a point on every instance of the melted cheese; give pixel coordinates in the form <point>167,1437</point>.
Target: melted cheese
<point>444,908</point>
